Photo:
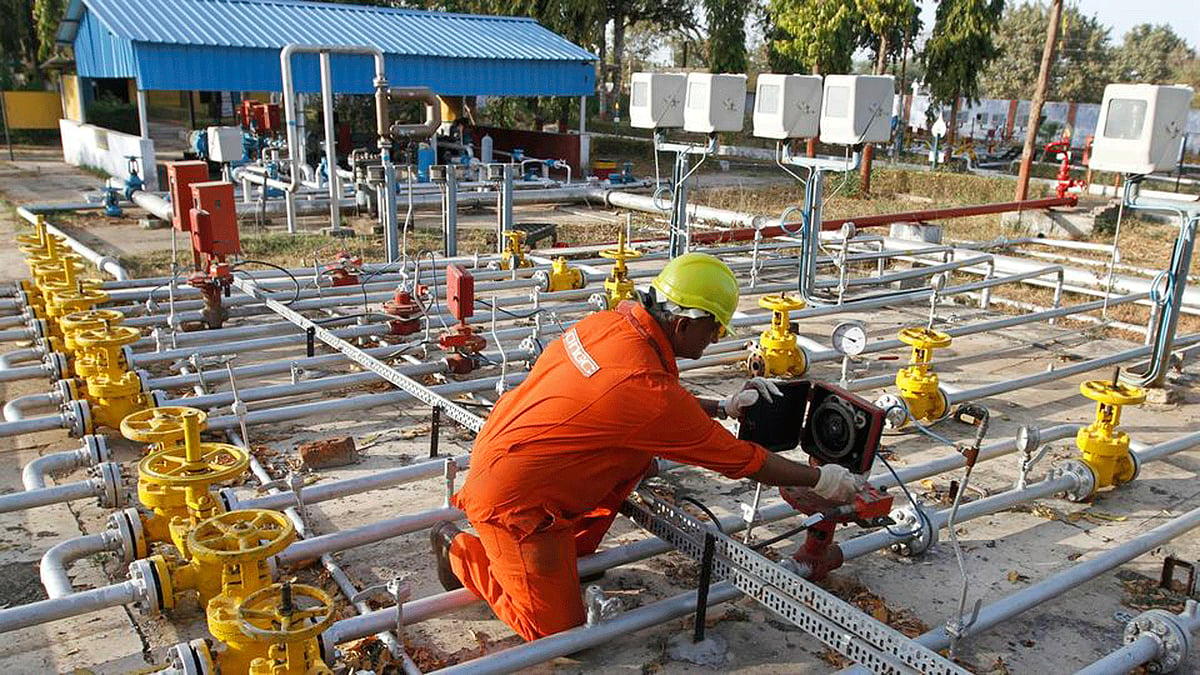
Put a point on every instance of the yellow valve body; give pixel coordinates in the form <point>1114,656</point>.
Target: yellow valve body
<point>777,354</point>
<point>617,286</point>
<point>918,383</point>
<point>1104,447</point>
<point>563,277</point>
<point>513,256</point>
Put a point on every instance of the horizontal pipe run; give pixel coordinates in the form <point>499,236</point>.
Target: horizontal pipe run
<point>75,604</point>
<point>105,263</point>
<point>28,499</point>
<point>1147,648</point>
<point>33,474</point>
<point>298,338</point>
<point>32,425</point>
<point>1012,605</point>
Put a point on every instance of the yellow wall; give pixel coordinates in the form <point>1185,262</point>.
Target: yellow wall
<point>32,109</point>
<point>71,98</point>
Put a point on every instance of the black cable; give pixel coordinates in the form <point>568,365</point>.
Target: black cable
<point>295,281</point>
<point>916,507</point>
<point>514,315</point>
<point>711,516</point>
<point>758,546</point>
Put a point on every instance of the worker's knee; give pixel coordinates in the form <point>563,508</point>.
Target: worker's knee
<point>538,624</point>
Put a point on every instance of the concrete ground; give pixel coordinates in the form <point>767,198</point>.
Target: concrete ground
<point>1005,552</point>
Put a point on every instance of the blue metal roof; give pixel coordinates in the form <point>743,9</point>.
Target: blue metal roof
<point>233,45</point>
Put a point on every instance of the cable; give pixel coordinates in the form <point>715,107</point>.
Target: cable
<point>924,520</point>
<point>295,281</point>
<point>514,315</point>
<point>711,516</point>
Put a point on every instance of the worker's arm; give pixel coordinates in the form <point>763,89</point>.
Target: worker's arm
<point>780,471</point>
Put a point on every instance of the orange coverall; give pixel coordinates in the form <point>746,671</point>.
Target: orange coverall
<point>559,454</point>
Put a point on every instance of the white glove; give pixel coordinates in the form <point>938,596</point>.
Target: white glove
<point>748,395</point>
<point>837,484</point>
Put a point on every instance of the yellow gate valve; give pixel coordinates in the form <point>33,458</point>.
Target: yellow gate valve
<point>513,255</point>
<point>163,427</point>
<point>76,322</point>
<point>66,301</point>
<point>35,241</point>
<point>112,389</point>
<point>777,354</point>
<point>175,482</point>
<point>1105,448</point>
<point>617,286</point>
<point>563,277</point>
<point>227,560</point>
<point>50,269</point>
<point>918,383</point>
<point>283,620</point>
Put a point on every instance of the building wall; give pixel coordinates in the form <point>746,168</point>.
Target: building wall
<point>32,109</point>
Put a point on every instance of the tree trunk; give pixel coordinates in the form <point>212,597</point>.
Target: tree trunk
<point>952,128</point>
<point>1039,98</point>
<point>864,180</point>
<point>602,74</point>
<point>618,62</point>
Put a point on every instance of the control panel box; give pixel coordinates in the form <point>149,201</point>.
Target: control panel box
<point>714,103</point>
<point>1140,128</point>
<point>857,109</point>
<point>225,144</point>
<point>460,292</point>
<point>214,220</point>
<point>656,100</point>
<point>787,106</point>
<point>180,177</point>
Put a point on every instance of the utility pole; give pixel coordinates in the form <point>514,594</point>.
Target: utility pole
<point>1039,99</point>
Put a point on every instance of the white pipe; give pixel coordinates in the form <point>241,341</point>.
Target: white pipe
<point>58,558</point>
<point>105,263</point>
<point>17,409</point>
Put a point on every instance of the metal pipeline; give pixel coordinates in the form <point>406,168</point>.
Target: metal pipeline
<point>1150,647</point>
<point>93,451</point>
<point>16,409</point>
<point>28,499</point>
<point>75,604</point>
<point>105,263</point>
<point>58,558</point>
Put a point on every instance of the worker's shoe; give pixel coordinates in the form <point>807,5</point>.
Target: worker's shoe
<point>440,537</point>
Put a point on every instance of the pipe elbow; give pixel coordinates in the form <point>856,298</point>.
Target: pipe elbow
<point>57,560</point>
<point>17,409</point>
<point>9,360</point>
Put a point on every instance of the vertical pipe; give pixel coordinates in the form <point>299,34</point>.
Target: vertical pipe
<point>450,211</point>
<point>143,116</point>
<point>506,205</point>
<point>335,211</point>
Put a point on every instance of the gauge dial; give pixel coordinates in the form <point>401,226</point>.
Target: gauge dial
<point>850,338</point>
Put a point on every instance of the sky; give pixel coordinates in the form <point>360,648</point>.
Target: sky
<point>1182,15</point>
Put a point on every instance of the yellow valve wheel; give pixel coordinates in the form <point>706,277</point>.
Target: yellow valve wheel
<point>88,319</point>
<point>1106,392</point>
<point>108,337</point>
<point>76,299</point>
<point>216,462</point>
<point>164,424</point>
<point>236,537</point>
<point>781,303</point>
<point>621,252</point>
<point>285,613</point>
<point>924,338</point>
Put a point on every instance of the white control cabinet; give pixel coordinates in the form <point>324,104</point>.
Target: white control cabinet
<point>1140,127</point>
<point>225,144</point>
<point>714,103</point>
<point>656,100</point>
<point>787,106</point>
<point>857,109</point>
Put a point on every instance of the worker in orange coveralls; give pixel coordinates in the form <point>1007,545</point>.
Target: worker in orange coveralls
<point>559,454</point>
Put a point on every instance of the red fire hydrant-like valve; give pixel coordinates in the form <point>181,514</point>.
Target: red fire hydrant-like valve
<point>344,271</point>
<point>213,282</point>
<point>461,339</point>
<point>407,311</point>
<point>870,507</point>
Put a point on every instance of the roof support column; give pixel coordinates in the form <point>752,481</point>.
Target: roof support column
<point>143,119</point>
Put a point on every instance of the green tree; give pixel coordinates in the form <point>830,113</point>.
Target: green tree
<point>48,14</point>
<point>885,23</point>
<point>726,35</point>
<point>667,16</point>
<point>1082,64</point>
<point>959,48</point>
<point>821,35</point>
<point>1150,54</point>
<point>18,43</point>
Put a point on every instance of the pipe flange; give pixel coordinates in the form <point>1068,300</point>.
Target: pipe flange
<point>190,658</point>
<point>128,524</point>
<point>542,277</point>
<point>55,365</point>
<point>96,447</point>
<point>895,410</point>
<point>598,302</point>
<point>1137,466</point>
<point>23,302</point>
<point>1174,641</point>
<point>68,389</point>
<point>144,377</point>
<point>923,537</point>
<point>39,329</point>
<point>532,345</point>
<point>77,418</point>
<point>144,576</point>
<point>113,495</point>
<point>159,398</point>
<point>127,352</point>
<point>1085,479</point>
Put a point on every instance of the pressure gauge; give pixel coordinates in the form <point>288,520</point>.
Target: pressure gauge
<point>850,338</point>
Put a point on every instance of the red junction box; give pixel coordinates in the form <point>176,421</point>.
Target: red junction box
<point>214,220</point>
<point>180,177</point>
<point>460,292</point>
